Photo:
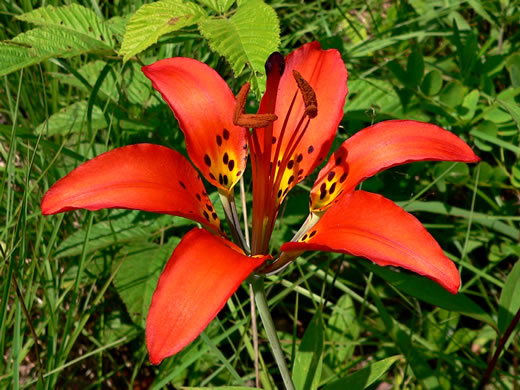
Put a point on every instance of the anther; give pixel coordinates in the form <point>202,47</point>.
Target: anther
<point>249,120</point>
<point>309,96</point>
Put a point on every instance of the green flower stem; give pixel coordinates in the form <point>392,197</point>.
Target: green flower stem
<point>267,320</point>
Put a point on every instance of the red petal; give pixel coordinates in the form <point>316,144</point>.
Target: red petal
<point>142,177</point>
<point>371,226</point>
<point>326,73</point>
<point>383,146</point>
<point>201,275</point>
<point>203,104</point>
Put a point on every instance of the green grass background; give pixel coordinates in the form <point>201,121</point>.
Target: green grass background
<point>75,287</point>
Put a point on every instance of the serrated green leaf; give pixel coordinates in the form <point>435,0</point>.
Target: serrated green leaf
<point>248,37</point>
<point>365,377</point>
<point>72,119</point>
<point>74,18</point>
<point>219,6</point>
<point>509,299</point>
<point>365,94</point>
<point>153,20</point>
<point>137,277</point>
<point>308,360</point>
<point>138,88</point>
<point>39,44</point>
<point>90,72</point>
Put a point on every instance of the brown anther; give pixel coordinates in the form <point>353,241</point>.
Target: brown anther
<point>255,120</point>
<point>308,94</point>
<point>249,120</point>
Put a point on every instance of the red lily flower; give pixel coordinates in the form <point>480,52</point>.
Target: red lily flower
<point>291,134</point>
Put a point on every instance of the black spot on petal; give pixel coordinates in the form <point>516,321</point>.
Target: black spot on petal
<point>182,184</point>
<point>311,149</point>
<point>219,140</point>
<point>338,160</point>
<point>332,188</point>
<point>331,175</point>
<point>343,177</point>
<point>225,158</point>
<point>225,134</point>
<point>207,160</point>
<point>231,165</point>
<point>290,164</point>
<point>299,158</point>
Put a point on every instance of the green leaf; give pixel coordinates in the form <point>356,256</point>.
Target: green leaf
<point>430,292</point>
<point>398,71</point>
<point>513,67</point>
<point>432,83</point>
<point>72,119</point>
<point>308,360</point>
<point>343,329</point>
<point>74,18</point>
<point>469,105</point>
<point>495,140</point>
<point>415,68</point>
<point>219,6</point>
<point>39,44</point>
<point>138,274</point>
<point>247,38</point>
<point>452,94</point>
<point>153,20</point>
<point>121,228</point>
<point>365,377</point>
<point>509,299</point>
<point>481,218</point>
<point>366,94</point>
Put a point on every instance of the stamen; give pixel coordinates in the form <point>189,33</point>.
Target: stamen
<point>309,96</point>
<point>249,120</point>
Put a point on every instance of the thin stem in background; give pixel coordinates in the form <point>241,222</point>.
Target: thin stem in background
<point>270,330</point>
<point>255,334</point>
<point>501,344</point>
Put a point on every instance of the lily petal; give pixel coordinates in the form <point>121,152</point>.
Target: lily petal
<point>203,104</point>
<point>372,226</point>
<point>201,275</point>
<point>382,146</point>
<point>143,177</point>
<point>325,72</point>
